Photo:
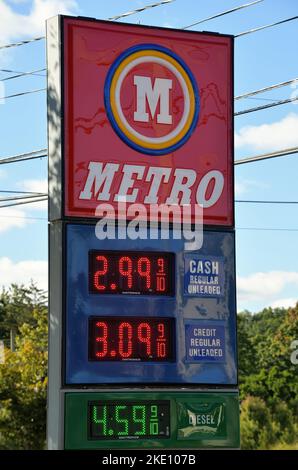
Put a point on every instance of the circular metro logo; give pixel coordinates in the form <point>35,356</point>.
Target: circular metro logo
<point>152,99</point>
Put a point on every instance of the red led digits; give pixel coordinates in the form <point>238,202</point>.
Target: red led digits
<point>131,272</point>
<point>144,270</point>
<point>125,269</point>
<point>160,276</point>
<point>102,339</point>
<point>100,272</point>
<point>144,336</point>
<point>161,341</point>
<point>125,337</point>
<point>131,339</point>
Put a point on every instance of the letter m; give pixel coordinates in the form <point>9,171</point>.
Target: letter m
<point>160,92</point>
<point>99,178</point>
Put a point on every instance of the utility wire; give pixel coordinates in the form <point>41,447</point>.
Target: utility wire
<point>25,156</point>
<point>267,88</point>
<point>265,106</point>
<point>265,156</point>
<point>24,202</point>
<point>21,43</point>
<point>266,202</point>
<point>139,10</point>
<point>16,198</point>
<point>22,74</point>
<point>226,12</point>
<point>44,195</point>
<point>42,153</point>
<point>17,71</point>
<point>238,113</point>
<point>22,93</point>
<point>123,15</point>
<point>254,30</point>
<point>269,229</point>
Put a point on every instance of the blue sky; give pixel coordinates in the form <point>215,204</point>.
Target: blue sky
<point>267,260</point>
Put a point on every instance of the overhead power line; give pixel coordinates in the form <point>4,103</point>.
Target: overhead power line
<point>265,156</point>
<point>226,12</point>
<point>273,229</point>
<point>245,111</point>
<point>21,43</point>
<point>265,202</point>
<point>23,74</point>
<point>117,17</point>
<point>254,30</point>
<point>23,202</point>
<point>265,106</point>
<point>16,198</point>
<point>22,93</point>
<point>25,156</point>
<point>267,88</point>
<point>42,153</point>
<point>45,195</point>
<point>139,10</point>
<point>18,71</point>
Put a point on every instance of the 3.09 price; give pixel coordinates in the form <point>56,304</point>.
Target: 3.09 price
<point>131,339</point>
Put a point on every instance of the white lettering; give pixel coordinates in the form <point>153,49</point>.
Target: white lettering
<point>160,92</point>
<point>98,177</point>
<point>218,178</point>
<point>184,180</point>
<point>127,183</point>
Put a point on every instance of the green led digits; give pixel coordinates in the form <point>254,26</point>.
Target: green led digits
<point>139,410</point>
<point>102,420</point>
<point>153,420</point>
<point>123,421</point>
<point>129,420</point>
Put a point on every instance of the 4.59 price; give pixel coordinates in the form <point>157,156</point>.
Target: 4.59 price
<point>114,272</point>
<point>131,339</point>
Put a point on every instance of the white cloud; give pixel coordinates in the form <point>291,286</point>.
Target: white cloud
<point>23,271</point>
<point>35,186</point>
<point>12,218</point>
<point>278,135</point>
<point>284,303</point>
<point>265,286</point>
<point>245,186</point>
<point>15,25</point>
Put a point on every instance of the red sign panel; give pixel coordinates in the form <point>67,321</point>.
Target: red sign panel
<point>148,118</point>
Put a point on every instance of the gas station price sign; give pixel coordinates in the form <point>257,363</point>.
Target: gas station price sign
<point>131,272</point>
<point>128,420</point>
<point>131,339</point>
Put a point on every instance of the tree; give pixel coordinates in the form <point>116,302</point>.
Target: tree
<point>16,307</point>
<point>23,377</point>
<point>267,376</point>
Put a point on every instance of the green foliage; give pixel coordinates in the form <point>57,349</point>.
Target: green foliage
<point>255,426</point>
<point>268,380</point>
<point>23,376</point>
<point>17,305</point>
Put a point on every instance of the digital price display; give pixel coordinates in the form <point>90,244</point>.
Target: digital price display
<point>131,272</point>
<point>131,339</point>
<point>125,420</point>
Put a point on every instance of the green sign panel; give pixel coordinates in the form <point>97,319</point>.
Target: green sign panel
<point>163,419</point>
